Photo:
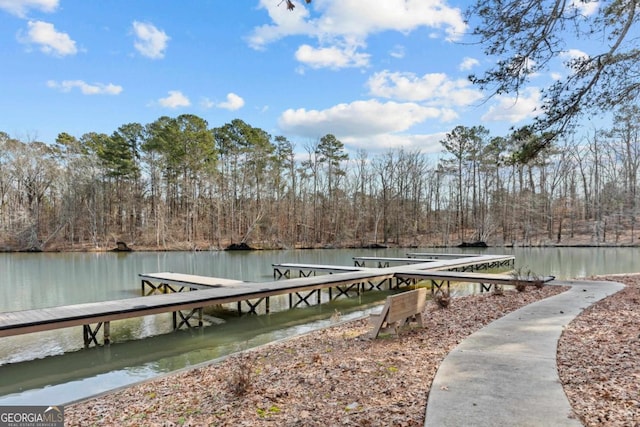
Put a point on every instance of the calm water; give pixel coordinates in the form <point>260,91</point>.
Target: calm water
<point>54,368</point>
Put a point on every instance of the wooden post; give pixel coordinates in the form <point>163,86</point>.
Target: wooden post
<point>107,332</point>
<point>85,336</point>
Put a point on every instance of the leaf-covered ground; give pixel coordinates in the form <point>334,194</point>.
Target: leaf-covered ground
<point>333,377</point>
<point>599,358</point>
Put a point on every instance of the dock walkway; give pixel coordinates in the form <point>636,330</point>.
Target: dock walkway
<point>438,255</point>
<point>36,320</point>
<point>383,262</point>
<point>166,293</point>
<point>448,262</point>
<point>283,270</point>
<point>439,278</point>
<point>178,282</point>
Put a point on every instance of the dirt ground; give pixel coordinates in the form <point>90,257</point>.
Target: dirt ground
<point>340,377</point>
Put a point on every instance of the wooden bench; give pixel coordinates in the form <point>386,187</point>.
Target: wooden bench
<point>398,309</point>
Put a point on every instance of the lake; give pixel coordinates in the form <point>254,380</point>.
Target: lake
<point>53,368</point>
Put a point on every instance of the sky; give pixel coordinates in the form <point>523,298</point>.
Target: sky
<point>378,75</point>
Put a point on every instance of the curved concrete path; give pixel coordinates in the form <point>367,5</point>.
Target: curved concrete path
<point>505,374</point>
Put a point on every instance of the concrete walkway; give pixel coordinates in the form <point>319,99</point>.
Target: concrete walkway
<point>505,374</point>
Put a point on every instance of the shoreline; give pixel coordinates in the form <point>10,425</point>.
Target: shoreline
<point>337,376</point>
<point>133,248</point>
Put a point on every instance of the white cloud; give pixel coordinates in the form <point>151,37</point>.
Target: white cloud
<point>285,23</point>
<point>425,143</point>
<point>514,109</point>
<point>331,57</point>
<point>434,88</point>
<point>85,88</point>
<point>571,58</point>
<point>21,7</point>
<point>468,63</point>
<point>586,8</point>
<point>348,23</point>
<point>360,18</point>
<point>233,102</point>
<point>50,40</point>
<point>555,76</point>
<point>397,52</point>
<point>573,54</point>
<point>206,103</point>
<point>359,118</point>
<point>448,115</point>
<point>176,99</point>
<point>369,124</point>
<point>150,41</point>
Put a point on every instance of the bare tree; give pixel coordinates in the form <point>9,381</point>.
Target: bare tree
<point>526,36</point>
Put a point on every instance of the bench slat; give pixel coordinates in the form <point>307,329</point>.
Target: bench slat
<point>407,304</point>
<point>398,308</point>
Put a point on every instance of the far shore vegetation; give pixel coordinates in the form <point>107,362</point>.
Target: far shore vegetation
<point>179,184</point>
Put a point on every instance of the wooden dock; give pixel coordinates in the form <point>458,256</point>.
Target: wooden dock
<point>439,278</point>
<point>437,255</point>
<point>176,282</point>
<point>185,295</point>
<point>185,306</point>
<point>383,262</point>
<point>464,263</point>
<point>474,263</point>
<point>283,270</point>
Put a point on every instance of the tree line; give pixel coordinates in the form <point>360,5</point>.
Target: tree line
<point>177,183</point>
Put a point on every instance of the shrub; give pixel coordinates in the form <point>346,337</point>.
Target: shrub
<point>538,282</point>
<point>517,275</point>
<point>521,279</point>
<point>239,382</point>
<point>520,285</point>
<point>442,298</point>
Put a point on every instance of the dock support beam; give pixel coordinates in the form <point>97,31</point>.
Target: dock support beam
<point>161,288</point>
<point>485,287</point>
<point>184,318</point>
<point>254,305</point>
<point>438,285</point>
<point>90,335</point>
<point>304,298</point>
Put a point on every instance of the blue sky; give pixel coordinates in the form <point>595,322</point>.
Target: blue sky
<point>378,75</point>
